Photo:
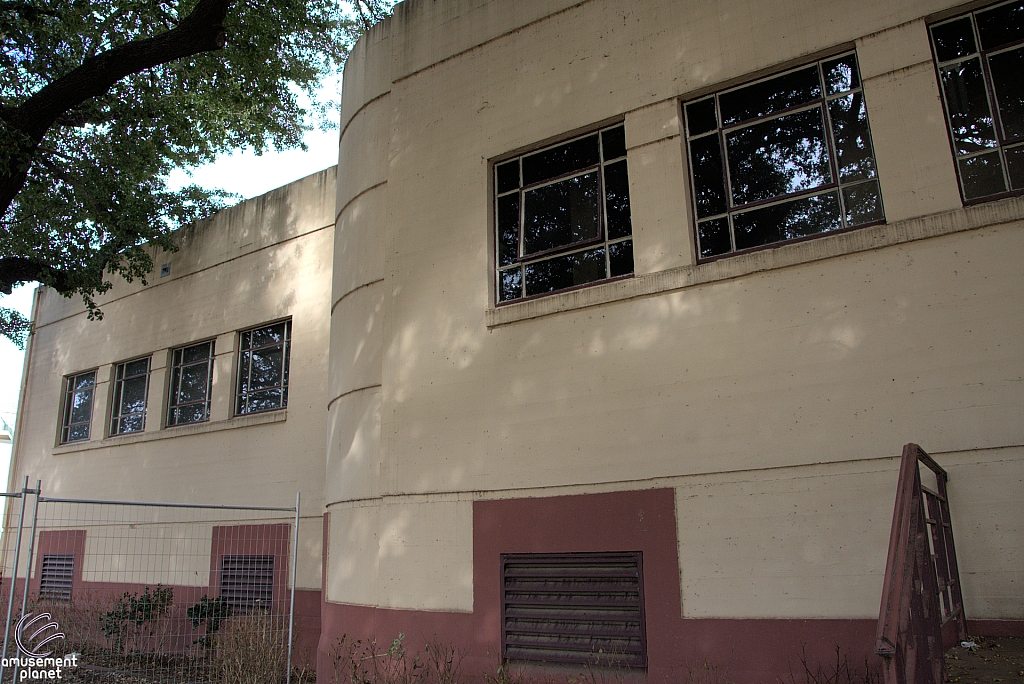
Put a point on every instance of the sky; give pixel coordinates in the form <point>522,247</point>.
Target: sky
<point>243,173</point>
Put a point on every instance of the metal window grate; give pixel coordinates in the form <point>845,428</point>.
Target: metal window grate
<point>57,576</point>
<point>247,582</point>
<point>574,608</point>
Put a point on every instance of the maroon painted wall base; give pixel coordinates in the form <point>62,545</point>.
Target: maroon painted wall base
<point>754,651</point>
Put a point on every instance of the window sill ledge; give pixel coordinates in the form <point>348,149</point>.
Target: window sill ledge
<point>176,431</point>
<point>824,247</point>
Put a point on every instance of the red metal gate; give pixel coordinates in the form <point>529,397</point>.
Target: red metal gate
<point>922,608</point>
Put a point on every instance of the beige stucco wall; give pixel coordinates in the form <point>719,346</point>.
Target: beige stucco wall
<point>264,260</point>
<point>773,390</point>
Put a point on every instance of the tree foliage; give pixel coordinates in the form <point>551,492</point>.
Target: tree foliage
<point>101,99</point>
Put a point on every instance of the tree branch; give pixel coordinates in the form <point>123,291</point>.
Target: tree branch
<point>14,270</point>
<point>201,31</point>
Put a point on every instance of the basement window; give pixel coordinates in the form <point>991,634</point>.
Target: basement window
<point>247,582</point>
<point>584,608</point>
<point>784,158</point>
<point>57,576</point>
<point>980,59</point>
<point>562,217</point>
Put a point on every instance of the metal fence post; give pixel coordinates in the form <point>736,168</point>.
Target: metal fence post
<point>28,564</point>
<point>291,610</point>
<point>14,578</point>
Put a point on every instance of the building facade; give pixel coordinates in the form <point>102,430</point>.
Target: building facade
<point>635,305</point>
<point>621,316</point>
<point>205,386</point>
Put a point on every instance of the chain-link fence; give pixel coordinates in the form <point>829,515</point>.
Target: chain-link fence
<point>119,591</point>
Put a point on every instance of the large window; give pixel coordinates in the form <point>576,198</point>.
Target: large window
<point>131,387</point>
<point>264,354</point>
<point>783,158</point>
<point>191,377</point>
<point>980,57</point>
<point>78,392</point>
<point>562,216</point>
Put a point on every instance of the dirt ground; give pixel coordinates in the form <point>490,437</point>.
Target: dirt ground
<point>998,659</point>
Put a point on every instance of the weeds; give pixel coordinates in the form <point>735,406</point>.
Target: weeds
<point>839,673</point>
<point>251,650</point>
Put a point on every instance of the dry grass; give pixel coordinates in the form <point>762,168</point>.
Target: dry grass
<point>251,649</point>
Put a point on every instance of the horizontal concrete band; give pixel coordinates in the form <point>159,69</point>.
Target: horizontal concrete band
<point>824,247</point>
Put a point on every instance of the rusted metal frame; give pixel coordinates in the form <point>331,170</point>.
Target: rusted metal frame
<point>954,570</point>
<point>896,577</point>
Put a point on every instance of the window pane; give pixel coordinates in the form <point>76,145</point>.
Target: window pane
<point>613,143</point>
<point>76,433</point>
<point>245,342</point>
<point>560,160</point>
<point>508,229</point>
<point>511,284</point>
<point>714,237</point>
<point>1001,25</point>
<point>265,400</point>
<point>266,368</point>
<point>81,406</point>
<point>133,395</point>
<point>193,384</point>
<point>1007,70</point>
<point>196,352</point>
<point>794,219</point>
<point>139,367</point>
<point>562,213</point>
<point>853,142</point>
<point>841,74</point>
<point>701,117</point>
<point>616,200</point>
<point>982,175</point>
<point>773,95</point>
<point>777,157</point>
<point>708,177</point>
<point>272,334</point>
<point>863,203</point>
<point>955,39</point>
<point>84,381</point>
<point>967,105</point>
<point>192,413</point>
<point>508,176</point>
<point>621,257</point>
<point>1015,167</point>
<point>133,423</point>
<point>565,271</point>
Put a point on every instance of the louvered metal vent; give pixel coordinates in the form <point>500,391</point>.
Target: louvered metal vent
<point>247,582</point>
<point>574,608</point>
<point>58,573</point>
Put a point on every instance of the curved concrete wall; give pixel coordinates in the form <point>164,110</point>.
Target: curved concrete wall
<point>770,393</point>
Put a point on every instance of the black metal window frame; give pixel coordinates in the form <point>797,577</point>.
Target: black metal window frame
<point>245,395</point>
<point>540,608</point>
<point>617,249</point>
<point>247,582</point>
<point>128,417</point>
<point>79,393</point>
<point>56,581</point>
<point>178,367</point>
<point>842,189</point>
<point>1003,144</point>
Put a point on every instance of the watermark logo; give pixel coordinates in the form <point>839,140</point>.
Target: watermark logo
<point>27,644</point>
<point>32,634</point>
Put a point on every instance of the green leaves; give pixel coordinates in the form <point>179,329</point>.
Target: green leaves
<point>94,183</point>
